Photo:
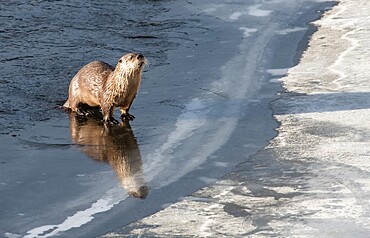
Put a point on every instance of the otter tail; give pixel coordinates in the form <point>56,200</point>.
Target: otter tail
<point>66,104</point>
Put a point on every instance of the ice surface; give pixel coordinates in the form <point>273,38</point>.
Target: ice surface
<point>312,179</point>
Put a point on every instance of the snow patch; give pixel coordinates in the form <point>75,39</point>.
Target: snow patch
<point>257,12</point>
<point>278,72</point>
<point>80,218</point>
<point>290,30</point>
<point>235,15</point>
<point>248,31</point>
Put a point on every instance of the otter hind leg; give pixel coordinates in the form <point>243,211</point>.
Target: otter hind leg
<point>75,106</point>
<point>87,110</point>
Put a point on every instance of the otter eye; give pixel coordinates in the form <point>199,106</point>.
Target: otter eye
<point>120,61</point>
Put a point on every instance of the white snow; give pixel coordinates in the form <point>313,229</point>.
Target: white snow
<point>248,31</point>
<point>107,202</point>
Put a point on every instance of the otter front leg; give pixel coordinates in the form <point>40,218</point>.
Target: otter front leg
<point>125,116</point>
<point>108,115</point>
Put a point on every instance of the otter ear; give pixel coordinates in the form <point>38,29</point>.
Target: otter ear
<point>120,60</point>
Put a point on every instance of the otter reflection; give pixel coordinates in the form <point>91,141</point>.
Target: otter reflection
<point>115,145</point>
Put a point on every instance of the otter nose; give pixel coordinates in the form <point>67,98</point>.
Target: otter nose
<point>139,56</point>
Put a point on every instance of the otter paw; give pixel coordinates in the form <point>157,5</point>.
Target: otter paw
<point>111,121</point>
<point>127,117</point>
<point>80,112</point>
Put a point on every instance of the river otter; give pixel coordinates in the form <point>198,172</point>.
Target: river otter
<point>98,84</point>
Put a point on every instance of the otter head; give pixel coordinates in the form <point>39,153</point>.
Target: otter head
<point>132,63</point>
<point>141,193</point>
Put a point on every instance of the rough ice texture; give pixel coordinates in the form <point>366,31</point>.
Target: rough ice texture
<point>313,178</point>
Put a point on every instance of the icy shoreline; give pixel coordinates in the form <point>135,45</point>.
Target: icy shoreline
<point>203,108</point>
<point>312,179</point>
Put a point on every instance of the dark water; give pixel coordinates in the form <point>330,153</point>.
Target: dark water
<point>44,43</point>
<point>202,108</point>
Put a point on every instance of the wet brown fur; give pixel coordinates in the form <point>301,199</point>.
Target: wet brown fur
<point>100,84</point>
